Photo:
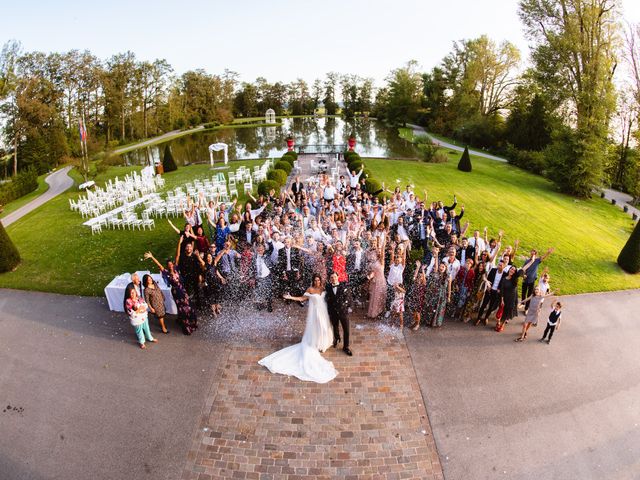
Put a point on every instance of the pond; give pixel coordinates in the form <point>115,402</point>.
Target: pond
<point>374,139</point>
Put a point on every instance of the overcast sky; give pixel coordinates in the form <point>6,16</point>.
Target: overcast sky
<point>278,39</point>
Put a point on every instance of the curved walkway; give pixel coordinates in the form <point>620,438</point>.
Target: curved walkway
<point>58,182</point>
<point>418,130</point>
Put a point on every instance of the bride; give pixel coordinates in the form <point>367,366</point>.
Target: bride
<point>303,360</point>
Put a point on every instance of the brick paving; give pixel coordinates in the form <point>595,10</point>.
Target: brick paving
<point>368,423</point>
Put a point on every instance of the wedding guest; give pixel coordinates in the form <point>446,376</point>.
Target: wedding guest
<point>134,284</point>
<point>553,322</point>
<point>464,282</point>
<point>397,306</point>
<point>261,273</point>
<point>396,272</point>
<point>493,294</point>
<point>509,288</point>
<point>186,315</point>
<point>377,286</point>
<point>531,276</point>
<point>438,294</point>
<point>531,317</point>
<point>155,300</point>
<point>213,281</point>
<point>136,309</point>
<point>417,294</point>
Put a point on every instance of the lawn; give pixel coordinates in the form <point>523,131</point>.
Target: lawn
<point>587,234</point>
<point>60,255</point>
<point>19,202</point>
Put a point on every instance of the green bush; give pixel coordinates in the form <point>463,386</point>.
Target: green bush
<point>355,166</point>
<point>266,186</point>
<point>282,165</point>
<point>291,153</point>
<point>168,163</point>
<point>366,173</point>
<point>428,151</point>
<point>372,185</point>
<point>288,158</point>
<point>629,258</point>
<point>349,156</point>
<point>9,256</point>
<point>23,183</point>
<point>278,176</point>
<point>464,165</point>
<point>440,157</point>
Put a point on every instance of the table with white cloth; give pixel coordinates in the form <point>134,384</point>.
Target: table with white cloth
<point>116,288</point>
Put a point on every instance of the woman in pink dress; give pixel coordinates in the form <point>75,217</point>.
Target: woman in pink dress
<point>377,287</point>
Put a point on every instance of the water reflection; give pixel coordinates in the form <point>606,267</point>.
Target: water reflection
<point>374,140</point>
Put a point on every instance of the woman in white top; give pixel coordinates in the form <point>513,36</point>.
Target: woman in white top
<point>396,272</point>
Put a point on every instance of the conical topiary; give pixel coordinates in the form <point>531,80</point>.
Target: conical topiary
<point>464,164</point>
<point>168,163</point>
<point>9,256</point>
<point>629,258</point>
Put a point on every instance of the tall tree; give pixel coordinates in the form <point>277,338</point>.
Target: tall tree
<point>8,81</point>
<point>574,58</point>
<point>404,93</point>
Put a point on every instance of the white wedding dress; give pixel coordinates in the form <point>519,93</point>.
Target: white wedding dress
<point>303,360</point>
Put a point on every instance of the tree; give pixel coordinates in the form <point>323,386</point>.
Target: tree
<point>629,258</point>
<point>168,163</point>
<point>404,97</point>
<point>574,58</point>
<point>9,256</point>
<point>464,165</point>
<point>8,79</point>
<point>330,85</point>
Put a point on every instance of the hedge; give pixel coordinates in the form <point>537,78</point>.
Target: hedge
<point>355,166</point>
<point>373,185</point>
<point>168,163</point>
<point>266,186</point>
<point>288,159</point>
<point>349,155</point>
<point>282,165</point>
<point>291,153</point>
<point>25,182</point>
<point>278,176</point>
<point>629,258</point>
<point>9,256</point>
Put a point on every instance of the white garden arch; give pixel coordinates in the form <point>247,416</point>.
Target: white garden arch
<point>270,116</point>
<point>216,147</point>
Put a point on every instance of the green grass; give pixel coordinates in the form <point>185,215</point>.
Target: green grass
<point>60,255</point>
<point>19,202</point>
<point>587,234</point>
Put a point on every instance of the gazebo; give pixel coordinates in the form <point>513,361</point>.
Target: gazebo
<point>216,147</point>
<point>270,116</point>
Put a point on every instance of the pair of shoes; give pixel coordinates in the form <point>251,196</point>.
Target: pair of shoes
<point>542,339</point>
<point>347,351</point>
<point>335,342</point>
<point>548,342</point>
<point>166,332</point>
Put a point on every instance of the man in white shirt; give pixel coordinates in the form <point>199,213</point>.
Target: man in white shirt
<point>261,271</point>
<point>492,296</point>
<point>329,193</point>
<point>354,177</point>
<point>452,264</point>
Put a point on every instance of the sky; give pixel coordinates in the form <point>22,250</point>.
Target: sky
<point>280,40</point>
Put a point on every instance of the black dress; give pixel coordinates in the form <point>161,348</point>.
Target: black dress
<point>213,285</point>
<point>509,287</point>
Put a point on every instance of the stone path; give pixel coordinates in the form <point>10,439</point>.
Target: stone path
<point>622,200</point>
<point>368,423</point>
<point>58,182</point>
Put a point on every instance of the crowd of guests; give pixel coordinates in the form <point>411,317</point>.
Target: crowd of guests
<point>398,257</point>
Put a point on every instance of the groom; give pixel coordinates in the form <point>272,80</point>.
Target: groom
<point>337,304</point>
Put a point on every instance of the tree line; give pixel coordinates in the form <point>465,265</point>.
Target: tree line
<point>570,114</point>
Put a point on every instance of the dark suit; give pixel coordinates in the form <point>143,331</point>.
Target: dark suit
<point>337,305</point>
<point>492,298</point>
<point>356,277</point>
<point>294,275</point>
<point>296,188</point>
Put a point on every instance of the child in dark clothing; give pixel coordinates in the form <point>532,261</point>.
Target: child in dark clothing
<point>553,322</point>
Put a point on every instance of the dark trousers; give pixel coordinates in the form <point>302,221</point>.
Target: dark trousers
<point>340,318</point>
<point>492,300</point>
<point>263,292</point>
<point>527,290</point>
<point>355,283</point>
<point>550,329</point>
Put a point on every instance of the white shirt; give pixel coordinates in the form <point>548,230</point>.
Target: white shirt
<point>496,281</point>
<point>354,179</point>
<point>358,254</point>
<point>329,193</point>
<point>261,267</point>
<point>452,267</point>
<point>479,245</point>
<point>431,265</point>
<point>276,248</point>
<point>288,253</point>
<point>395,274</point>
<point>402,233</point>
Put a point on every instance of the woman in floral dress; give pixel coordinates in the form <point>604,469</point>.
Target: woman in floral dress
<point>438,294</point>
<point>186,314</point>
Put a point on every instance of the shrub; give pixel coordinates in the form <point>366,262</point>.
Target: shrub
<point>428,151</point>
<point>266,186</point>
<point>293,154</point>
<point>168,163</point>
<point>440,157</point>
<point>372,185</point>
<point>366,173</point>
<point>629,258</point>
<point>23,183</point>
<point>278,176</point>
<point>282,165</point>
<point>464,165</point>
<point>9,256</point>
<point>355,165</point>
<point>288,158</point>
<point>349,156</point>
